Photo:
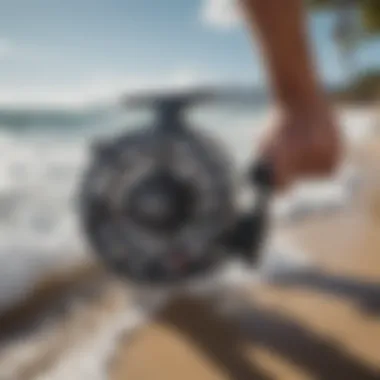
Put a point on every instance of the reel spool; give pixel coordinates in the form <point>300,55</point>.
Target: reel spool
<point>158,204</point>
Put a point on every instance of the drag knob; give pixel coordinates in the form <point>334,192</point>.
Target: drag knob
<point>160,202</point>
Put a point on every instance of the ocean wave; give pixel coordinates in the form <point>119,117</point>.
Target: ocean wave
<point>22,119</point>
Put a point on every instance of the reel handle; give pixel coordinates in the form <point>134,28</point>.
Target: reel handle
<point>251,229</point>
<point>261,176</point>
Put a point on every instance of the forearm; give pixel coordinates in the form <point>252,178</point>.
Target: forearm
<point>281,25</point>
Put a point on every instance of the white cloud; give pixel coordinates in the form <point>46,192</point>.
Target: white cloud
<point>6,48</point>
<point>221,14</point>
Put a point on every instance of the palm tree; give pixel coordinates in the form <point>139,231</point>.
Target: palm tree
<point>368,11</point>
<point>356,20</point>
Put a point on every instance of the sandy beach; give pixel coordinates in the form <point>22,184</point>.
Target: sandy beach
<point>318,322</point>
<point>132,128</point>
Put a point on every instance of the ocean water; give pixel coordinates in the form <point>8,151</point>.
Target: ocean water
<point>44,152</point>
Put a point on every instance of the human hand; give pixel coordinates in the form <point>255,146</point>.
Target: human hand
<point>303,143</point>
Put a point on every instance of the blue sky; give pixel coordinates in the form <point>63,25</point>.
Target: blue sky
<point>69,50</point>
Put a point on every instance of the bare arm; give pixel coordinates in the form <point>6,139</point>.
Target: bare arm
<point>306,141</point>
<point>281,25</point>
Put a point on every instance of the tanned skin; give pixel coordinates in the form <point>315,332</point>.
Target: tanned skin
<point>305,140</point>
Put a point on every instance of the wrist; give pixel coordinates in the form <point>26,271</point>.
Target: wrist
<point>299,88</point>
<point>306,102</point>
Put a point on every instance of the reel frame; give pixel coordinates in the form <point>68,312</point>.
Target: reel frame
<point>243,239</point>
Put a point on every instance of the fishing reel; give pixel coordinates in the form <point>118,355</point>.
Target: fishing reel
<point>159,204</point>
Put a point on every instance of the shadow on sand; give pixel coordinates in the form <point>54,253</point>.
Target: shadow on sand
<point>223,343</point>
<point>52,299</point>
<point>219,339</point>
<point>365,294</point>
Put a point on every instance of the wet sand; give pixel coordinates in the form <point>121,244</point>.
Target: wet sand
<point>317,324</point>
